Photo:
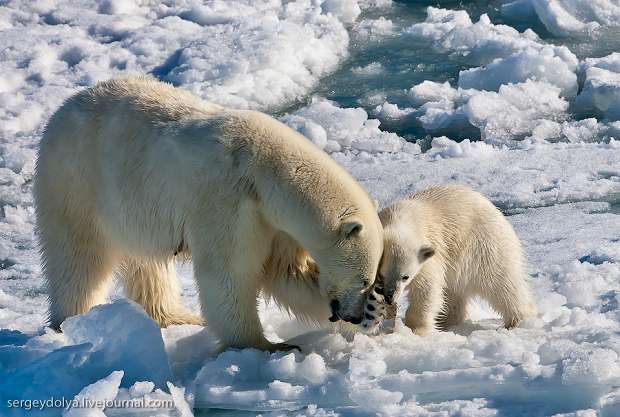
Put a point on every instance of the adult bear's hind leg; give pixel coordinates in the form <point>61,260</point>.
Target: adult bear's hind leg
<point>77,265</point>
<point>154,285</point>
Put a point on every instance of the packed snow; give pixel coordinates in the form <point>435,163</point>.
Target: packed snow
<point>518,99</point>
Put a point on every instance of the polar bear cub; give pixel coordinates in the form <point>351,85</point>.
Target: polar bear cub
<point>447,244</point>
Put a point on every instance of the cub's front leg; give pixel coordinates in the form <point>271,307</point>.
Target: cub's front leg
<point>425,298</point>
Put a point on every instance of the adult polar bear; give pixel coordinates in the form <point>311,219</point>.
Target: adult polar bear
<point>133,171</point>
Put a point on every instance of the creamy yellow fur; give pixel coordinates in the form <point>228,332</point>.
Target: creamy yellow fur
<point>476,253</point>
<point>133,171</point>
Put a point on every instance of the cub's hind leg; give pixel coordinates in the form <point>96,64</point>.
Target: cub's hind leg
<point>504,285</point>
<point>454,310</point>
<point>154,285</point>
<point>512,299</point>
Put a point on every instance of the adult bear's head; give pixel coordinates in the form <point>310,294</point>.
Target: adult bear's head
<point>348,266</point>
<point>305,193</point>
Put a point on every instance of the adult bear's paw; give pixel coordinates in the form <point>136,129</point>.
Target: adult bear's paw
<point>279,347</point>
<point>180,316</point>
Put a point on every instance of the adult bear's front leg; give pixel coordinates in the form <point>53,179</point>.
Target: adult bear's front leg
<point>228,301</point>
<point>228,263</point>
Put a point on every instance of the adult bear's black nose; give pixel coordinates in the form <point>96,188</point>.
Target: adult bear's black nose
<point>353,320</point>
<point>334,305</point>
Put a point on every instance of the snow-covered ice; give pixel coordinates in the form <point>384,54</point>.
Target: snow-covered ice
<point>601,95</point>
<point>518,99</point>
<point>566,17</point>
<point>335,129</point>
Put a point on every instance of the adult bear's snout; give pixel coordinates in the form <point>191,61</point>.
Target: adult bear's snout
<point>353,320</point>
<point>334,305</point>
<point>338,315</point>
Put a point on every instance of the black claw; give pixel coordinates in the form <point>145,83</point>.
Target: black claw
<point>371,297</point>
<point>370,307</point>
<point>369,317</point>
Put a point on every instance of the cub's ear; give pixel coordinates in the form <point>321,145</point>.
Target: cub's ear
<point>425,252</point>
<point>351,228</point>
<point>376,204</point>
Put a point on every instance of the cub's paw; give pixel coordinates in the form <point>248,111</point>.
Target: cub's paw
<point>375,311</point>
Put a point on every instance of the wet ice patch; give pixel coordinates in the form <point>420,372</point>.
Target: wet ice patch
<point>372,30</point>
<point>371,69</point>
<point>565,17</point>
<point>512,113</point>
<point>443,147</point>
<point>483,41</point>
<point>334,129</point>
<point>600,95</point>
<point>521,83</point>
<point>530,64</point>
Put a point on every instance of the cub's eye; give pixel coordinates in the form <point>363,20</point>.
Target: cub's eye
<point>405,277</point>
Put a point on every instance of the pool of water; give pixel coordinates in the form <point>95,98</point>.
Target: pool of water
<point>405,61</point>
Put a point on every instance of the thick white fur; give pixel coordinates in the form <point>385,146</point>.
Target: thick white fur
<point>133,171</point>
<point>476,253</point>
<point>291,278</point>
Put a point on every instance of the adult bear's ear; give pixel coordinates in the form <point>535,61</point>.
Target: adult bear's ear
<point>425,252</point>
<point>351,228</point>
<point>376,204</point>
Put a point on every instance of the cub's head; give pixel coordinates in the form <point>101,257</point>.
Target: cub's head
<point>348,265</point>
<point>403,257</point>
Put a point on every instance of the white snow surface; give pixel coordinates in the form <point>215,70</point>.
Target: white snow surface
<point>548,155</point>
